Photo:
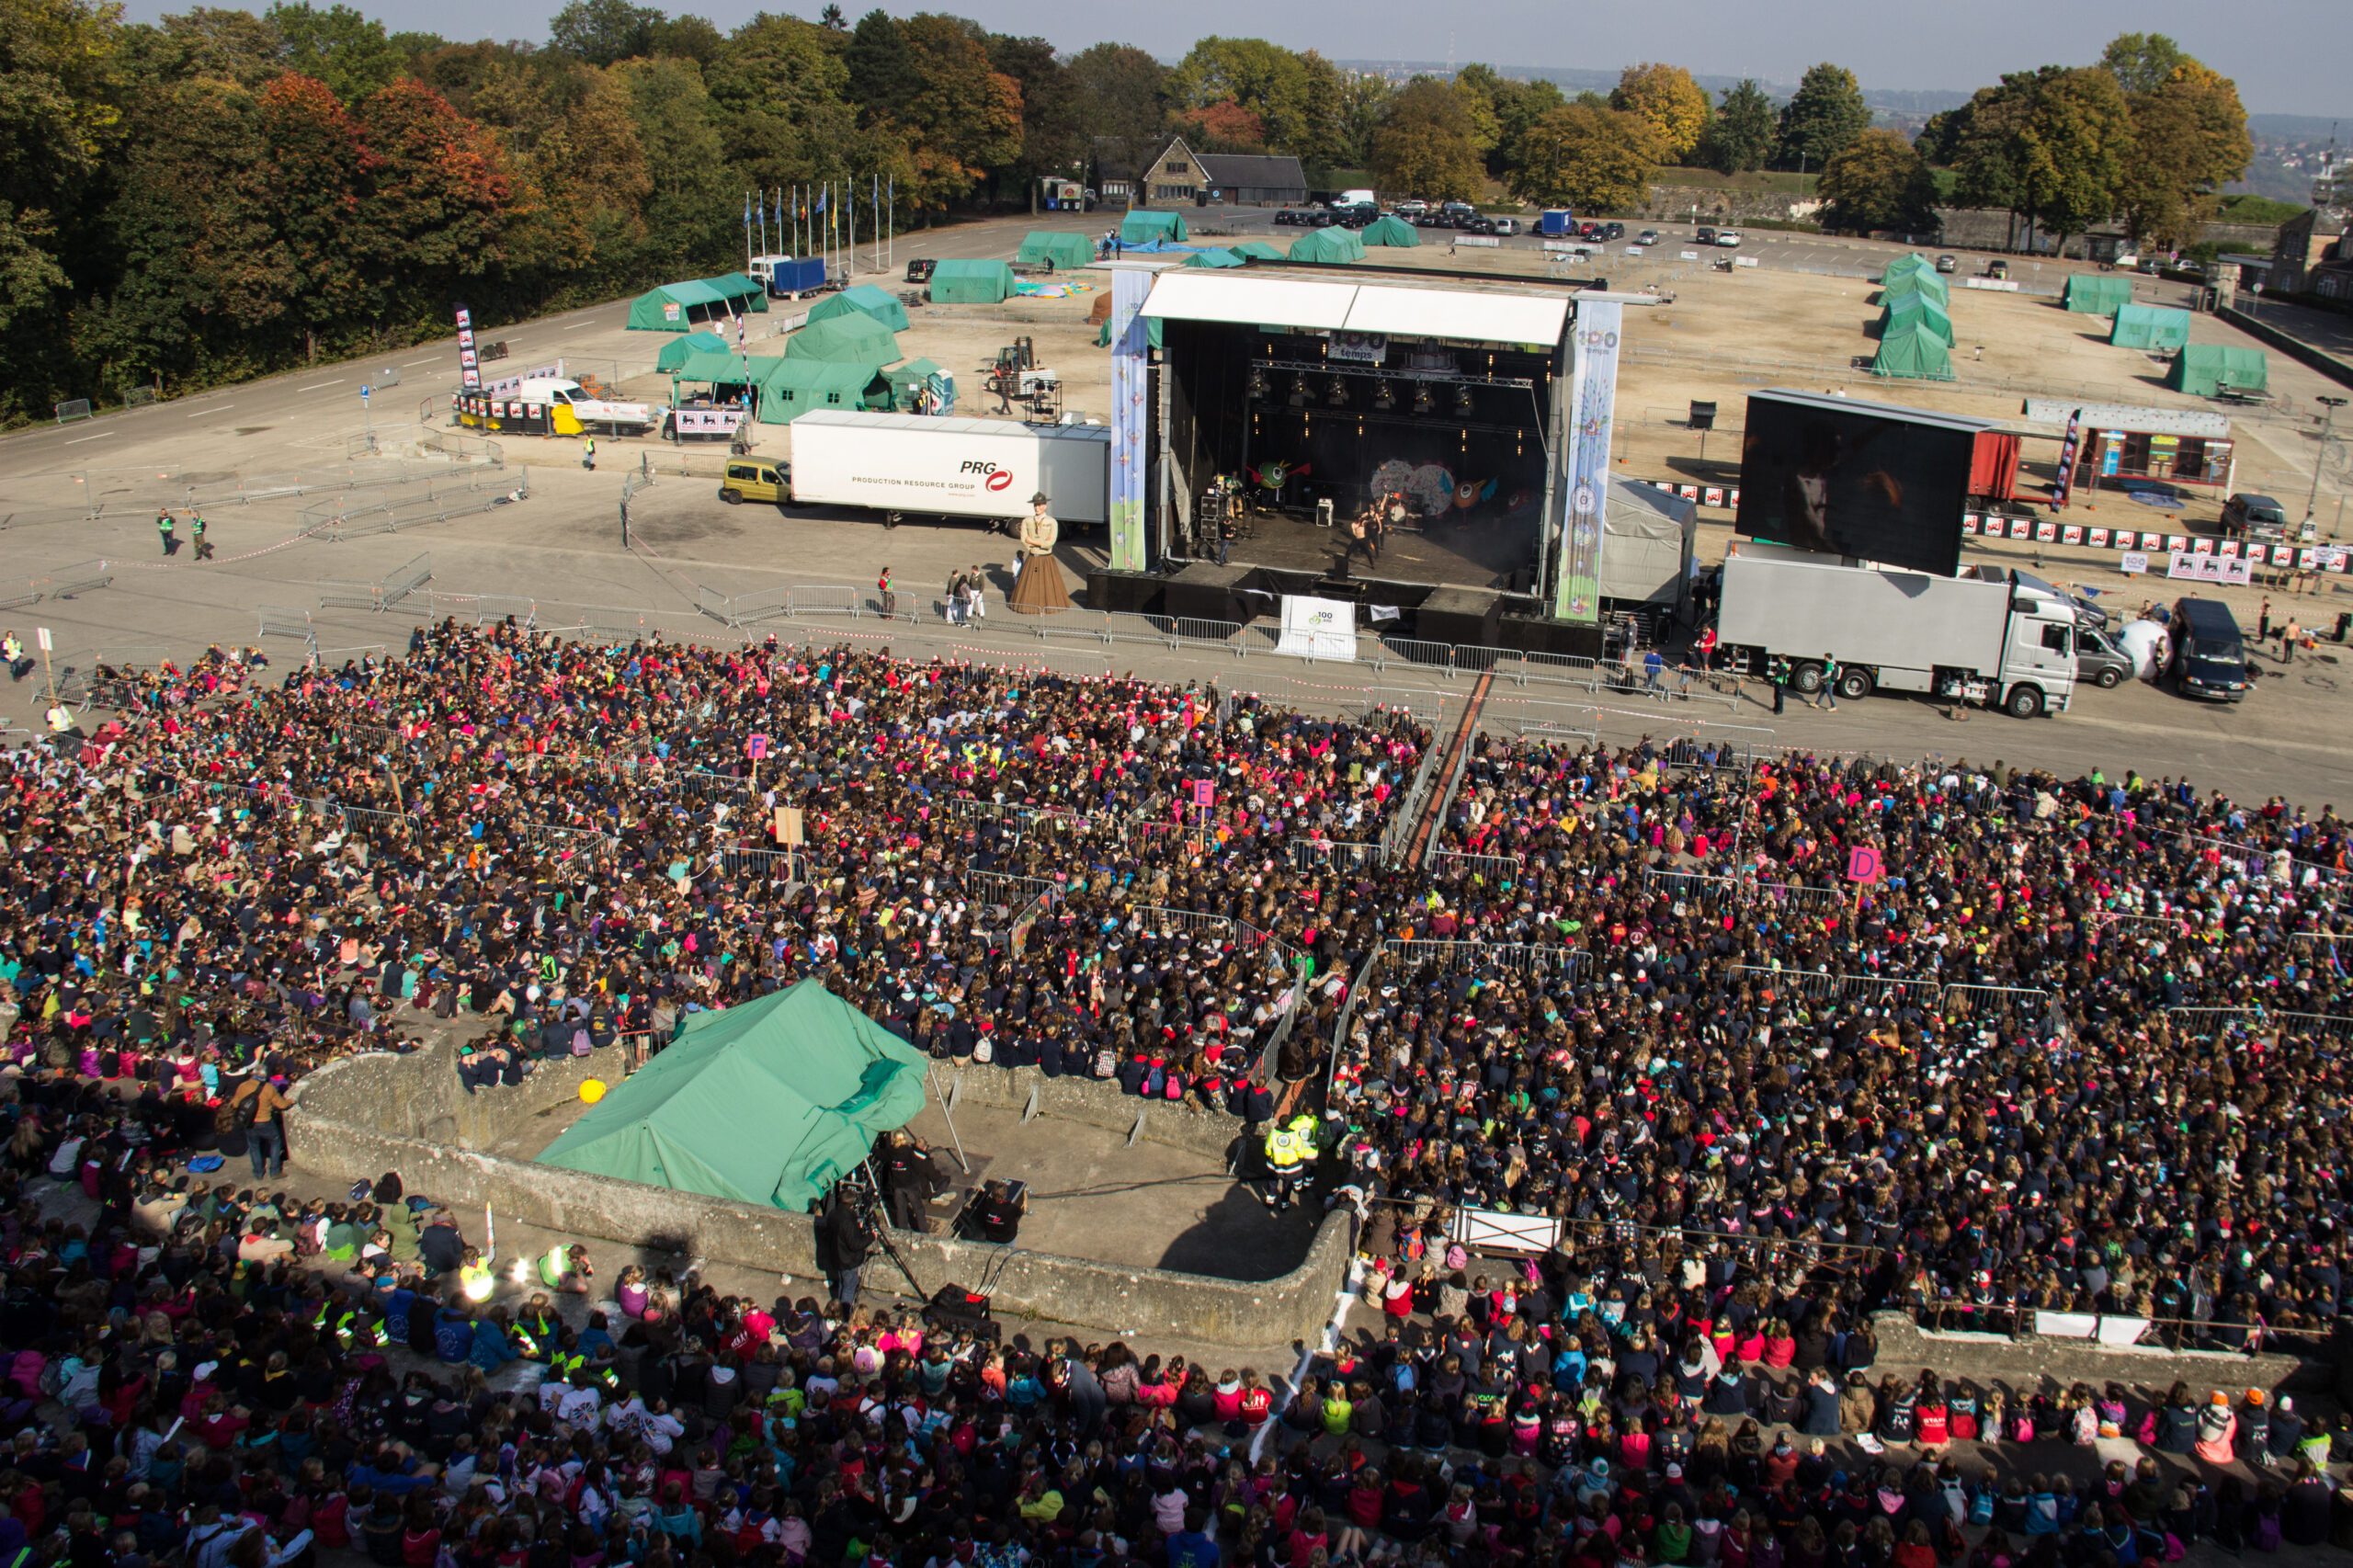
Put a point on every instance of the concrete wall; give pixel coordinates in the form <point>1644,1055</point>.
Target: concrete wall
<point>2023,1362</point>
<point>1095,1103</point>
<point>2296,349</point>
<point>366,1115</point>
<point>1674,203</point>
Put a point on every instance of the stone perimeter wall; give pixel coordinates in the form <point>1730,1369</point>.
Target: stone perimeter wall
<point>365,1115</point>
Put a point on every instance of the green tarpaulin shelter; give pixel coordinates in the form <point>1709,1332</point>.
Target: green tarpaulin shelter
<point>1901,264</point>
<point>866,300</point>
<point>765,1103</point>
<point>1040,245</point>
<point>851,338</point>
<point>723,367</point>
<point>680,307</point>
<point>1910,310</point>
<point>971,283</point>
<point>1257,250</point>
<point>908,381</point>
<point>1391,229</point>
<point>792,388</point>
<point>2150,327</point>
<point>1214,256</point>
<point>1926,285</point>
<point>1151,338</point>
<point>1327,245</point>
<point>674,352</point>
<point>1912,354</point>
<point>2095,295</point>
<point>1142,228</point>
<point>2202,369</point>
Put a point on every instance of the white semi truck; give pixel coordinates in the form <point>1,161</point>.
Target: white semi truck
<point>2006,640</point>
<point>903,464</point>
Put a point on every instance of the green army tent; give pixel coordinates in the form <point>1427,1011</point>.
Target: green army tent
<point>2203,370</point>
<point>851,338</point>
<point>1141,228</point>
<point>1913,308</point>
<point>1927,285</point>
<point>1914,354</point>
<point>1391,229</point>
<point>867,299</point>
<point>971,283</point>
<point>1040,245</point>
<point>794,387</point>
<point>2093,295</point>
<point>1215,255</point>
<point>1327,245</point>
<point>2150,327</point>
<point>765,1103</point>
<point>674,352</point>
<point>679,307</point>
<point>1257,250</point>
<point>724,368</point>
<point>1903,265</point>
<point>907,383</point>
<point>1150,337</point>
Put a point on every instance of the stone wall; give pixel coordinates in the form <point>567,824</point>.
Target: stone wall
<point>366,1115</point>
<point>2024,1362</point>
<point>1674,203</point>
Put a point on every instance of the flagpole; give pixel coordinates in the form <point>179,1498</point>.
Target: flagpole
<point>876,188</point>
<point>850,194</point>
<point>747,231</point>
<point>763,209</point>
<point>893,210</point>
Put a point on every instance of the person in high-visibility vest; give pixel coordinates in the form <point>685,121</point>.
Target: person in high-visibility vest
<point>1290,1153</point>
<point>566,1268</point>
<point>475,1278</point>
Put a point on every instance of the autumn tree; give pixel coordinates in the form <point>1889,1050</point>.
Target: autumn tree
<point>1269,79</point>
<point>1665,98</point>
<point>1740,136</point>
<point>1519,106</point>
<point>1425,144</point>
<point>2142,62</point>
<point>338,46</point>
<point>1826,113</point>
<point>2188,138</point>
<point>1878,182</point>
<point>1117,100</point>
<point>1579,155</point>
<point>2049,146</point>
<point>1224,127</point>
<point>966,116</point>
<point>602,31</point>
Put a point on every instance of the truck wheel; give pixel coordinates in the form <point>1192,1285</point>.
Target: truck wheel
<point>732,497</point>
<point>2108,678</point>
<point>1806,678</point>
<point>2024,702</point>
<point>1854,684</point>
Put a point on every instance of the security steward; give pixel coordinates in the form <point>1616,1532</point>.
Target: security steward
<point>996,1213</point>
<point>1290,1158</point>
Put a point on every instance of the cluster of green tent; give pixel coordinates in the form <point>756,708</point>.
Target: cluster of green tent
<point>2150,327</point>
<point>681,307</point>
<point>837,360</point>
<point>2092,294</point>
<point>971,283</point>
<point>1039,246</point>
<point>1328,244</point>
<point>1916,322</point>
<point>2204,370</point>
<point>1141,228</point>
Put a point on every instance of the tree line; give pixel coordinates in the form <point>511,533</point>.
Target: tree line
<point>221,194</point>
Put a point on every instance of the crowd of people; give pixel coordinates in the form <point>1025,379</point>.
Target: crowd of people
<point>2075,1047</point>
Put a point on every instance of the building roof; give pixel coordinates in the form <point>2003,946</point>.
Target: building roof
<point>1233,170</point>
<point>1478,316</point>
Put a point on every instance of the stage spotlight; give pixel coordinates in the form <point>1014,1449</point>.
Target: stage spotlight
<point>1258,384</point>
<point>1339,398</point>
<point>1423,402</point>
<point>1461,402</point>
<point>1299,392</point>
<point>1384,396</point>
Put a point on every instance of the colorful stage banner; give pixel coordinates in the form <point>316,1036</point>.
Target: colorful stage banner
<point>1583,492</point>
<point>1131,417</point>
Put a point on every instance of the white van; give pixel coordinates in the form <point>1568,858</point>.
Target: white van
<point>1356,199</point>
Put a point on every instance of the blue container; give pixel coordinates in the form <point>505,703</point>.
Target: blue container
<point>1559,220</point>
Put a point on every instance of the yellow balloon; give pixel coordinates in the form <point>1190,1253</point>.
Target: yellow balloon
<point>593,1090</point>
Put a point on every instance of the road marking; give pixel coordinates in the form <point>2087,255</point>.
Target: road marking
<point>215,408</point>
<point>578,329</point>
<point>318,386</point>
<point>100,436</point>
<point>414,363</point>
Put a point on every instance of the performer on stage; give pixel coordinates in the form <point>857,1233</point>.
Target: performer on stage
<point>1039,589</point>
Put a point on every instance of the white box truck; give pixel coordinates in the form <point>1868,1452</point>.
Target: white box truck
<point>902,464</point>
<point>2006,642</point>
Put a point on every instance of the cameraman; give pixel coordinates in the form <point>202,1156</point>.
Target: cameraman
<point>849,1242</point>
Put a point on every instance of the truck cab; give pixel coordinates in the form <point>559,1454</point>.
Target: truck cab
<point>756,479</point>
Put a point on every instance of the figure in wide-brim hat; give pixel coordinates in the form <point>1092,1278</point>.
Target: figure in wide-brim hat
<point>1039,589</point>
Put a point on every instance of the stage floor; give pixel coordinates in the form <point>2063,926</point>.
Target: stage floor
<point>1484,552</point>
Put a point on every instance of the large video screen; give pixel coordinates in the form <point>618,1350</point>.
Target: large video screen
<point>1853,482</point>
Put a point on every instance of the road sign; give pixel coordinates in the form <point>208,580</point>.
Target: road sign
<point>44,635</point>
<point>364,391</point>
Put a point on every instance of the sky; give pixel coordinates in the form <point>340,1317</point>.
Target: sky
<point>2288,56</point>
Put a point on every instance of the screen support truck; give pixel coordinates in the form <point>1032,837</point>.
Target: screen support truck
<point>905,465</point>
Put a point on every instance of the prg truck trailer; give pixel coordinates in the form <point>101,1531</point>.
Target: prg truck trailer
<point>912,464</point>
<point>2008,644</point>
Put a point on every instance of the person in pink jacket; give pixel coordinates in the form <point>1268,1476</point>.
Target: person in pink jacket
<point>2216,1426</point>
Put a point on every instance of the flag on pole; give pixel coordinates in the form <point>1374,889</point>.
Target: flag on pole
<point>821,195</point>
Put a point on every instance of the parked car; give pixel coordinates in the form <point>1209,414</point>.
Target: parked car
<point>1947,264</point>
<point>1729,239</point>
<point>1647,237</point>
<point>1457,210</point>
<point>1286,216</point>
<point>1997,269</point>
<point>1504,225</point>
<point>2100,661</point>
<point>1613,230</point>
<point>2250,516</point>
<point>1412,208</point>
<point>2208,650</point>
<point>1707,235</point>
<point>920,269</point>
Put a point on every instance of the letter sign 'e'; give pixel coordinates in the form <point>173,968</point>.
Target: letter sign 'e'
<point>1862,864</point>
<point>1204,793</point>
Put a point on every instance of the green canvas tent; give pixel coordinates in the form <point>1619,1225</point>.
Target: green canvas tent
<point>722,368</point>
<point>1141,228</point>
<point>1215,255</point>
<point>2150,327</point>
<point>2093,295</point>
<point>1151,335</point>
<point>1901,264</point>
<point>1327,245</point>
<point>1926,284</point>
<point>680,307</point>
<point>1912,354</point>
<point>1063,250</point>
<point>674,352</point>
<point>1391,229</point>
<point>766,1103</point>
<point>867,299</point>
<point>908,381</point>
<point>1910,310</point>
<point>1257,250</point>
<point>851,338</point>
<point>2202,369</point>
<point>794,387</point>
<point>971,283</point>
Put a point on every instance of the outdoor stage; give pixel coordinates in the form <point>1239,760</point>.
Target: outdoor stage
<point>1475,553</point>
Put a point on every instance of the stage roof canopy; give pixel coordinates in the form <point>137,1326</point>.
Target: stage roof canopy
<point>1470,315</point>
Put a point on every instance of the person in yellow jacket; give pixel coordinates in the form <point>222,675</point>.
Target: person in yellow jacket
<point>475,1278</point>
<point>1290,1159</point>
